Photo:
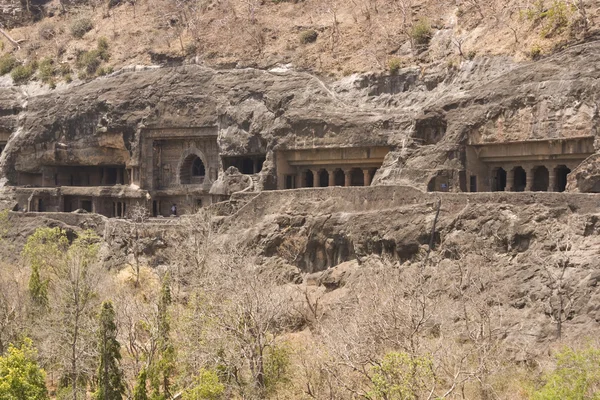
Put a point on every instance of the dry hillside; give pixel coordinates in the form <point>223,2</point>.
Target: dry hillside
<point>332,37</point>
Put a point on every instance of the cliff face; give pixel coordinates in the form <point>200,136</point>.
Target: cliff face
<point>427,117</point>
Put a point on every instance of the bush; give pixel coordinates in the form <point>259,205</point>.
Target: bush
<point>7,63</point>
<point>65,69</point>
<point>20,375</point>
<point>309,36</point>
<point>554,19</point>
<point>400,376</point>
<point>207,387</point>
<point>277,367</point>
<point>471,54</point>
<point>23,73</point>
<point>394,65</point>
<point>577,376</point>
<point>535,52</point>
<point>47,31</point>
<point>191,49</point>
<point>80,27</point>
<point>421,33</point>
<point>47,70</point>
<point>90,61</point>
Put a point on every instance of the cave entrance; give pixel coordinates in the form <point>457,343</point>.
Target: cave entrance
<point>541,179</point>
<point>309,178</point>
<point>323,178</point>
<point>499,184</point>
<point>520,177</point>
<point>357,178</point>
<point>561,177</point>
<point>339,177</point>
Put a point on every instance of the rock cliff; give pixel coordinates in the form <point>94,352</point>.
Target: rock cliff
<point>426,116</point>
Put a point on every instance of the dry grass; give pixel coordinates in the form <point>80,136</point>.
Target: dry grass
<point>353,36</point>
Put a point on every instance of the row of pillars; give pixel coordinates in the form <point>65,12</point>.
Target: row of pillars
<point>336,177</point>
<point>537,178</point>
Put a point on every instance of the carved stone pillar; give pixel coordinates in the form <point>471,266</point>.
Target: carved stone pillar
<point>331,173</point>
<point>316,179</point>
<point>529,179</point>
<point>347,177</point>
<point>367,177</point>
<point>510,180</point>
<point>552,179</point>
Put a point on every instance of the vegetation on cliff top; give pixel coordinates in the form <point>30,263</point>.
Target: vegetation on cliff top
<point>331,37</point>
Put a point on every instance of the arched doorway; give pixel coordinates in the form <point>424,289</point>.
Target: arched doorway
<point>520,180</point>
<point>541,178</point>
<point>192,171</point>
<point>323,178</point>
<point>309,179</point>
<point>499,183</point>
<point>561,177</point>
<point>357,178</point>
<point>339,177</point>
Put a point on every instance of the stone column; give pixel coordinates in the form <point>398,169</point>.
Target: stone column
<point>552,179</point>
<point>315,173</point>
<point>529,179</point>
<point>367,177</point>
<point>331,173</point>
<point>510,179</point>
<point>348,177</point>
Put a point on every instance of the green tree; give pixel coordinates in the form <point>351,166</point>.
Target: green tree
<point>400,376</point>
<point>110,376</point>
<point>20,375</point>
<point>207,387</point>
<point>576,377</point>
<point>162,369</point>
<point>44,250</point>
<point>140,392</point>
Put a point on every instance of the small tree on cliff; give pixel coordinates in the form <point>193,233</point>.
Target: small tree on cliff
<point>110,376</point>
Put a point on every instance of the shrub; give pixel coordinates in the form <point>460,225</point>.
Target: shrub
<point>80,27</point>
<point>577,376</point>
<point>394,65</point>
<point>23,73</point>
<point>191,49</point>
<point>207,387</point>
<point>46,31</point>
<point>421,33</point>
<point>277,366</point>
<point>309,36</point>
<point>535,52</point>
<point>68,78</point>
<point>101,71</point>
<point>400,376</point>
<point>7,63</point>
<point>65,69</point>
<point>90,61</point>
<point>47,70</point>
<point>471,54</point>
<point>20,375</point>
<point>554,19</point>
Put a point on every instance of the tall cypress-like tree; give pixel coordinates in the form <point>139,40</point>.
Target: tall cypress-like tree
<point>163,367</point>
<point>139,391</point>
<point>110,376</point>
